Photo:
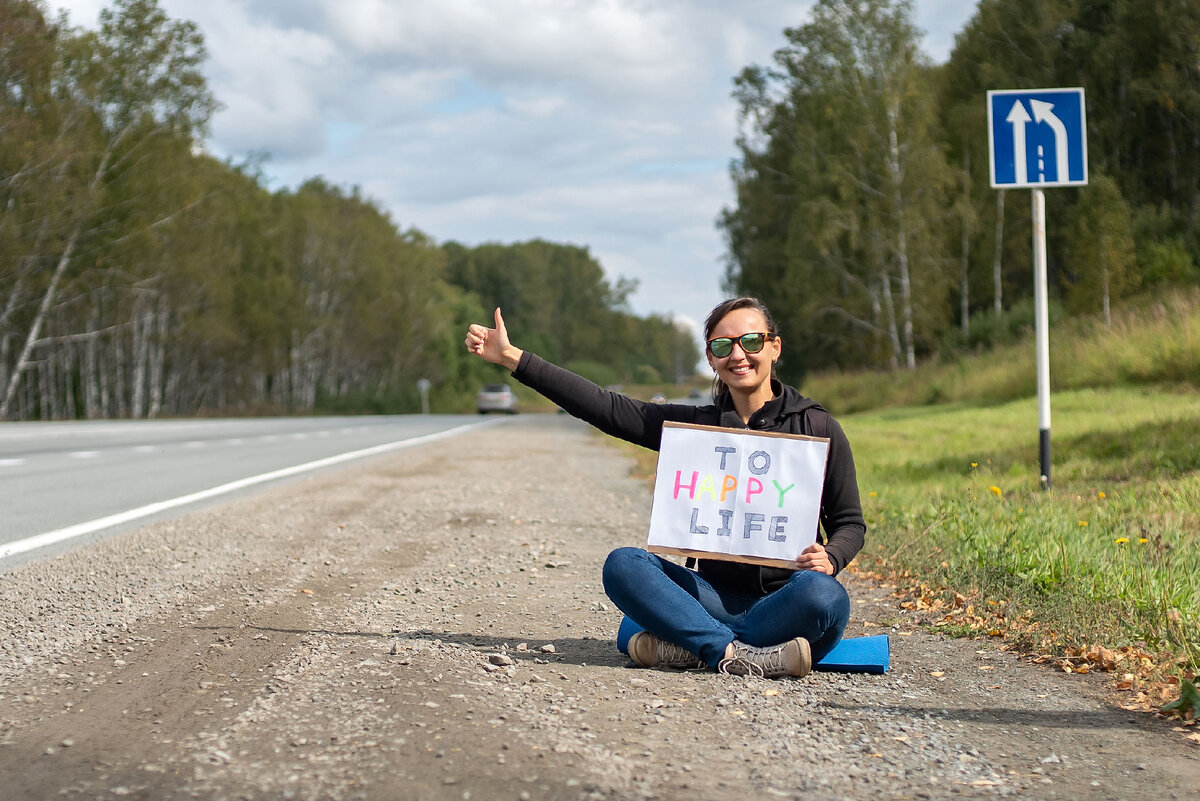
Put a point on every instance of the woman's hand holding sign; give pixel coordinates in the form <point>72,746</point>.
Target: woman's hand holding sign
<point>814,558</point>
<point>491,344</point>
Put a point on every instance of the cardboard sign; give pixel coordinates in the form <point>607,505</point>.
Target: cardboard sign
<point>742,496</point>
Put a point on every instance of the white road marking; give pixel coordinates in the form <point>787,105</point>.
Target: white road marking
<point>78,530</point>
<point>11,462</point>
<point>195,444</point>
<point>84,454</point>
<point>143,449</point>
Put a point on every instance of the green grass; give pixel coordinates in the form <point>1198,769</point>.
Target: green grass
<point>1109,556</point>
<point>1154,342</point>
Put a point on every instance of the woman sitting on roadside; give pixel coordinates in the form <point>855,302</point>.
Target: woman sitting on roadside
<point>732,617</point>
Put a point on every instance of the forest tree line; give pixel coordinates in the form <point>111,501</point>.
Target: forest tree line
<point>864,207</point>
<point>141,277</point>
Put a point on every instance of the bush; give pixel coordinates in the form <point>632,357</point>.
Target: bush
<point>1168,262</point>
<point>988,330</point>
<point>646,374</point>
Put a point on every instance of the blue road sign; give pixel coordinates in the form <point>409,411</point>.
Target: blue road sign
<point>1037,138</point>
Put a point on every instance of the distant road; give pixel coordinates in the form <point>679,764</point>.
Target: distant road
<point>62,483</point>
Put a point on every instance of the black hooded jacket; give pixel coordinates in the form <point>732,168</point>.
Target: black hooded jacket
<point>789,412</point>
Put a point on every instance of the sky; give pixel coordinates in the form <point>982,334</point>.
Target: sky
<point>601,123</point>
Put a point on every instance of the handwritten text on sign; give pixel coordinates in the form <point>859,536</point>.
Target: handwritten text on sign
<point>737,495</point>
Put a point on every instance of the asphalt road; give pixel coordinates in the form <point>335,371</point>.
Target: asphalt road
<point>64,483</point>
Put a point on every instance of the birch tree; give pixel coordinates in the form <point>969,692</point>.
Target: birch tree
<point>841,185</point>
<point>114,93</point>
<point>1101,261</point>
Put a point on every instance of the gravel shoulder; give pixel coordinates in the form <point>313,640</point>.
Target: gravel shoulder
<point>430,625</point>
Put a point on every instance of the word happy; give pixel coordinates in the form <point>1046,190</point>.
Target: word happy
<point>758,464</point>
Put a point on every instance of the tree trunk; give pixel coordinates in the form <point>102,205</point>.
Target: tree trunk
<point>39,320</point>
<point>157,356</point>
<point>89,375</point>
<point>68,395</point>
<point>897,176</point>
<point>889,305</point>
<point>965,247</point>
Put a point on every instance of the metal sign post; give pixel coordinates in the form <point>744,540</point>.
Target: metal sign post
<point>1038,138</point>
<point>423,386</point>
<point>1041,313</point>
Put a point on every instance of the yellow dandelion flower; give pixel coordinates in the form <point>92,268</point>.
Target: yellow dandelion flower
<point>996,490</point>
<point>1142,540</point>
<point>1101,495</point>
<point>1082,522</point>
<point>974,464</point>
<point>871,494</point>
<point>1122,540</point>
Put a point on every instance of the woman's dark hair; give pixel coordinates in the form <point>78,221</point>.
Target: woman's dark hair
<point>718,313</point>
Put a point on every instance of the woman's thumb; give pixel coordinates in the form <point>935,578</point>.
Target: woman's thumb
<point>499,320</point>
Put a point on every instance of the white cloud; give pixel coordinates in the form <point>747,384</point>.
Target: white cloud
<point>605,123</point>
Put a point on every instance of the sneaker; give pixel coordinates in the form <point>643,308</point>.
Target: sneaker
<point>649,651</point>
<point>792,658</point>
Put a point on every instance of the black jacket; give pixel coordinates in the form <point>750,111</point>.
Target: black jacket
<point>790,412</point>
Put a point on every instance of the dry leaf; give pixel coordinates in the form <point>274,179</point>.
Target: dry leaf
<point>938,673</point>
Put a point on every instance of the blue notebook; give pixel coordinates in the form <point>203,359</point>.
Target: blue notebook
<point>853,655</point>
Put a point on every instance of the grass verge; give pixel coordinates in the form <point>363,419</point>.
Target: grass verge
<point>1102,572</point>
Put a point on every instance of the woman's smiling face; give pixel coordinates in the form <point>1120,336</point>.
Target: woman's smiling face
<point>745,372</point>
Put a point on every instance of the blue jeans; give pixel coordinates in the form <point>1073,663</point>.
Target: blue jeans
<point>682,607</point>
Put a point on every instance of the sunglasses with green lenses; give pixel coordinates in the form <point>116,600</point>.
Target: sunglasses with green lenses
<point>750,343</point>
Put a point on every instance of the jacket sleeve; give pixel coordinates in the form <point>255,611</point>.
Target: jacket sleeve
<point>632,420</point>
<point>841,509</point>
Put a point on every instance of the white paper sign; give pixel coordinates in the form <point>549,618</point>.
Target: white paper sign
<point>743,496</point>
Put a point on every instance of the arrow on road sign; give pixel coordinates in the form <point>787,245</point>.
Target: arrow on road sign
<point>1019,117</point>
<point>1042,112</point>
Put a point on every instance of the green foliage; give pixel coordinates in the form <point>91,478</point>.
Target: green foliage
<point>816,227</point>
<point>1187,705</point>
<point>139,278</point>
<point>646,374</point>
<point>988,330</point>
<point>1152,341</point>
<point>951,495</point>
<point>1101,255</point>
<point>557,303</point>
<point>595,372</point>
<point>1168,263</point>
<point>839,191</point>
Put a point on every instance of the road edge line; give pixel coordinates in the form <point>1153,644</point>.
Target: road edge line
<point>101,523</point>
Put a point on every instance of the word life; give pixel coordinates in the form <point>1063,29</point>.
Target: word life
<point>758,464</point>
